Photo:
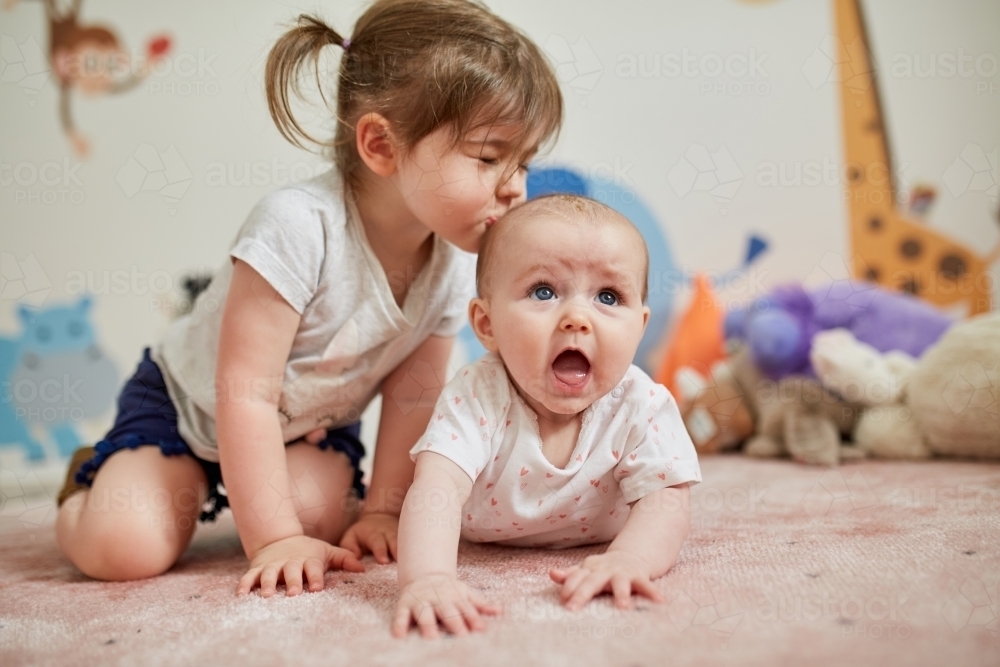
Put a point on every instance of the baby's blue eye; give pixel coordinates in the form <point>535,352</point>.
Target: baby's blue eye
<point>542,293</point>
<point>608,298</point>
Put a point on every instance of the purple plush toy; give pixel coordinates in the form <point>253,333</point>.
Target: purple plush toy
<point>779,328</point>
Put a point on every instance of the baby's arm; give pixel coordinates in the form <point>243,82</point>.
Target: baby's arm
<point>408,397</point>
<point>429,529</point>
<point>645,549</point>
<point>258,327</point>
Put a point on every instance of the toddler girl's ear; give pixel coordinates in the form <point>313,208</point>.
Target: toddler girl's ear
<point>376,144</point>
<point>479,318</point>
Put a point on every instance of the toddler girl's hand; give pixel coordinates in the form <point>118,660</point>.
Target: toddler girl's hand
<point>374,532</point>
<point>440,597</point>
<point>616,572</point>
<point>287,559</point>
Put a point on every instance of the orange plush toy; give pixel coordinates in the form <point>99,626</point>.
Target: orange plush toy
<point>698,339</point>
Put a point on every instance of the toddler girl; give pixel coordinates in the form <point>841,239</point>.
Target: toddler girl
<point>335,289</point>
<point>553,439</point>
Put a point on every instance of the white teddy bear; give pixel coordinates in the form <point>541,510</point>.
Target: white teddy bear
<point>861,374</point>
<point>947,403</point>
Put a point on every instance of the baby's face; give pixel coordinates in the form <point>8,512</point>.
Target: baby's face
<point>565,310</point>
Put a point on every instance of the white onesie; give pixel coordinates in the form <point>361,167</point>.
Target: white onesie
<point>632,442</point>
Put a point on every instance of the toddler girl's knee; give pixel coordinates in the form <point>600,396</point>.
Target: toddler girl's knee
<point>124,551</point>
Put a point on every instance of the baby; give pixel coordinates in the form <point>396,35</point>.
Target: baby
<point>554,438</point>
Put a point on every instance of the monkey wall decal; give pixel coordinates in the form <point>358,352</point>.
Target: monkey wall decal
<point>88,58</point>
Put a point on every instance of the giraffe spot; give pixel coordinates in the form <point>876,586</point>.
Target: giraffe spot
<point>911,286</point>
<point>952,267</point>
<point>875,224</point>
<point>853,175</point>
<point>871,275</point>
<point>911,248</point>
<point>874,125</point>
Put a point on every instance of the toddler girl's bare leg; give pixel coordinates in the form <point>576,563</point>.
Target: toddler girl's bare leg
<point>323,481</point>
<point>137,518</point>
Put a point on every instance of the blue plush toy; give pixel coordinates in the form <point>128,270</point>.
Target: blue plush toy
<point>778,329</point>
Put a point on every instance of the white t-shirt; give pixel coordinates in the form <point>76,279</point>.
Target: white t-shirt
<point>632,442</point>
<point>311,247</point>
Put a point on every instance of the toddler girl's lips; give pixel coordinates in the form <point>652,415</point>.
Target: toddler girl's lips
<point>571,370</point>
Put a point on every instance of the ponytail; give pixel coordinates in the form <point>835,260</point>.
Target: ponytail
<point>301,43</point>
<point>421,64</point>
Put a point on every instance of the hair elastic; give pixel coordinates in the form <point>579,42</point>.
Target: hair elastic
<point>346,44</point>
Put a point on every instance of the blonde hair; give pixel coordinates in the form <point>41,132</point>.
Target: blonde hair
<point>573,208</point>
<point>422,64</point>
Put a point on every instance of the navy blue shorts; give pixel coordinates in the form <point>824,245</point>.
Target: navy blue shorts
<point>147,416</point>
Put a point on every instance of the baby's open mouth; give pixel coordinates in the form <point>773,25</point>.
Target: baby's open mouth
<point>571,367</point>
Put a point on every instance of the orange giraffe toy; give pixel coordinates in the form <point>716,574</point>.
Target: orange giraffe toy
<point>889,249</point>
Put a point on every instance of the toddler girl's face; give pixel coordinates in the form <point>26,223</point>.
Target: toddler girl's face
<point>459,191</point>
<point>565,310</point>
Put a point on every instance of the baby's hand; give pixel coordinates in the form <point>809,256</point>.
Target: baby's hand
<point>617,572</point>
<point>287,559</point>
<point>440,597</point>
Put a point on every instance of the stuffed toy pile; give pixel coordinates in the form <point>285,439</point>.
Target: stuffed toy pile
<point>847,371</point>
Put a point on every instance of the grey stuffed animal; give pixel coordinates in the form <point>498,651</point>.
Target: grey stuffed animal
<point>795,416</point>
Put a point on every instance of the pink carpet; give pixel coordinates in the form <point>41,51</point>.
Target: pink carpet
<point>876,563</point>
